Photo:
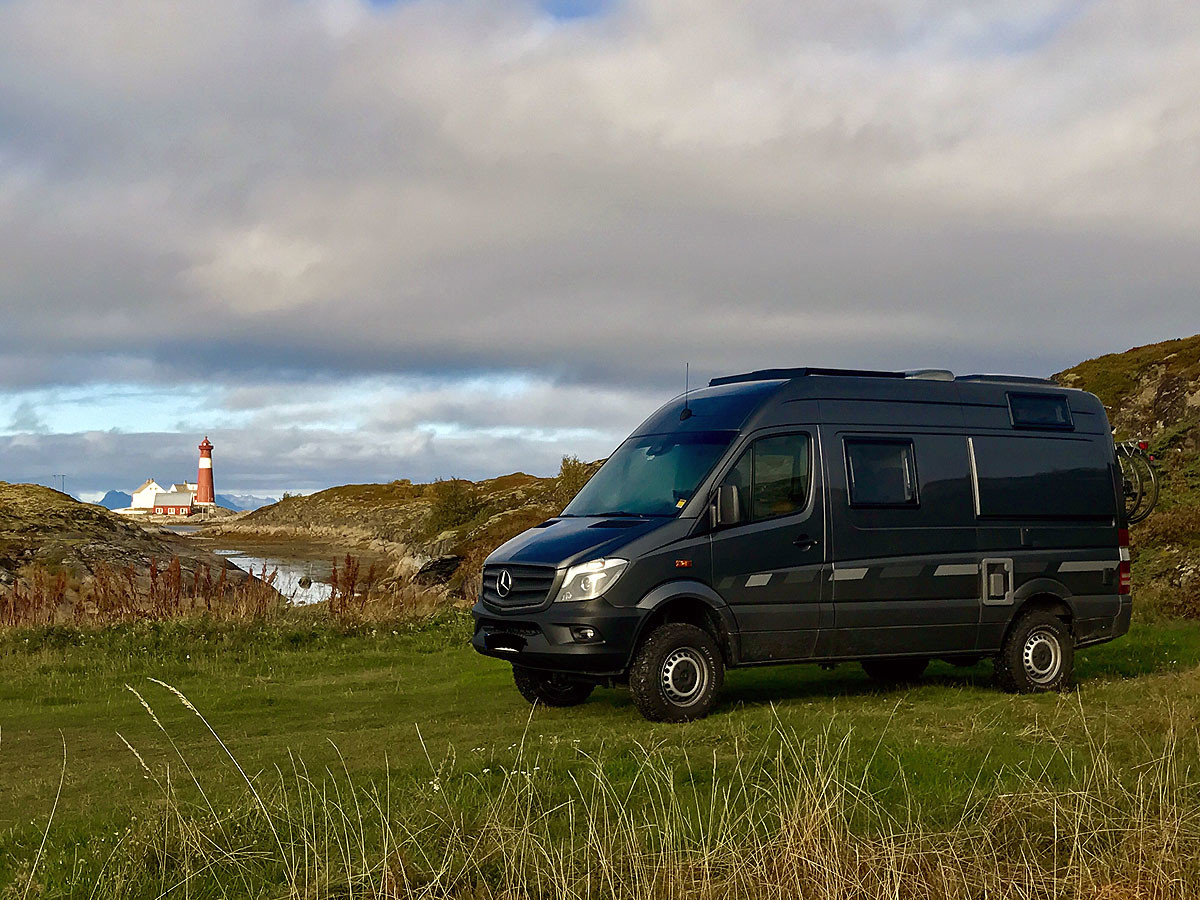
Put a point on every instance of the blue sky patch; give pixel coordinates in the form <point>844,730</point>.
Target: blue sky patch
<point>575,9</point>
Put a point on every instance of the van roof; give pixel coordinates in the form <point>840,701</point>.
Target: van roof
<point>913,374</point>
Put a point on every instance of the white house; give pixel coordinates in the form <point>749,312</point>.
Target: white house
<point>143,497</point>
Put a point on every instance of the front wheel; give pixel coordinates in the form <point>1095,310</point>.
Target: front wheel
<point>1037,655</point>
<point>676,673</point>
<point>551,688</point>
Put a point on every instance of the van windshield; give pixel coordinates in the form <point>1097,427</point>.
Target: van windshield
<point>651,475</point>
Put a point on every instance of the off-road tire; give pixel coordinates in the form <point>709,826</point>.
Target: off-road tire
<point>1038,655</point>
<point>895,670</point>
<point>676,673</point>
<point>551,688</point>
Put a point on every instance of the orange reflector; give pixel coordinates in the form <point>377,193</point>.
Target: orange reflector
<point>683,563</point>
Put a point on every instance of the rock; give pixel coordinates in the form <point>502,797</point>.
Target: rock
<point>438,570</point>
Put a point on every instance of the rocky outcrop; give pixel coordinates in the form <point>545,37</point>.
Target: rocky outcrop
<point>42,528</point>
<point>1153,393</point>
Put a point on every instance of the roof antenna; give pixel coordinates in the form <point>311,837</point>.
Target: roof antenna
<point>686,413</point>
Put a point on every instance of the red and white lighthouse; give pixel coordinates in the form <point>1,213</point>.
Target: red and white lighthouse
<point>204,480</point>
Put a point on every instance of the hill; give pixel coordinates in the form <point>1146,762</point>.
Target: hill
<point>1153,393</point>
<point>41,527</point>
<point>439,532</point>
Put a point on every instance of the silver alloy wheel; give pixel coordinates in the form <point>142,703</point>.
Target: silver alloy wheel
<point>1042,656</point>
<point>684,676</point>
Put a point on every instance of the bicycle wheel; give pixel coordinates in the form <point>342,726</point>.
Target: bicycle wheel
<point>1131,484</point>
<point>1149,485</point>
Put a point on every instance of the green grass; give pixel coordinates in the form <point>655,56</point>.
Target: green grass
<point>408,708</point>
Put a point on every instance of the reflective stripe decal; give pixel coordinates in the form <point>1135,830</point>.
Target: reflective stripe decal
<point>800,576</point>
<point>902,572</point>
<point>1124,554</point>
<point>958,569</point>
<point>1089,565</point>
<point>758,580</point>
<point>849,574</point>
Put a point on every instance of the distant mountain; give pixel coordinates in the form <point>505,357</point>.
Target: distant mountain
<point>116,500</point>
<point>243,502</point>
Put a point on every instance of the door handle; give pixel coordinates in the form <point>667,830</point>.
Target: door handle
<point>804,542</point>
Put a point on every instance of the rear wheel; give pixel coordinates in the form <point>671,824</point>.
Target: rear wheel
<point>1131,483</point>
<point>898,670</point>
<point>1038,655</point>
<point>1148,481</point>
<point>676,673</point>
<point>551,688</point>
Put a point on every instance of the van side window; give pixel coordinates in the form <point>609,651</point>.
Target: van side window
<point>773,477</point>
<point>881,472</point>
<point>1040,411</point>
<point>780,476</point>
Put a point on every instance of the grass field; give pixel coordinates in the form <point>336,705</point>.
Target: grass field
<point>390,759</point>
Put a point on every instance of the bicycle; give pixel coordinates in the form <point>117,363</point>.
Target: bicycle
<point>1139,480</point>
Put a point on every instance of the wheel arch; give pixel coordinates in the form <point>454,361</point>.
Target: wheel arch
<point>1042,594</point>
<point>692,602</point>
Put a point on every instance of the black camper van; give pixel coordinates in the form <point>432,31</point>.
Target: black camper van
<point>821,515</point>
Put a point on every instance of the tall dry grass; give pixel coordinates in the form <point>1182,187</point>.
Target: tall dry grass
<point>794,819</point>
<point>112,596</point>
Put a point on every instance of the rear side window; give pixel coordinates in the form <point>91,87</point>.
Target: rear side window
<point>1040,411</point>
<point>1027,476</point>
<point>881,472</point>
<point>773,476</point>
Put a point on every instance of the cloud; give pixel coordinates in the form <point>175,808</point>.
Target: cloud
<point>303,198</point>
<point>26,419</point>
<point>269,461</point>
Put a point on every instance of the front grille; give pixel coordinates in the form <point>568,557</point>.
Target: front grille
<point>531,586</point>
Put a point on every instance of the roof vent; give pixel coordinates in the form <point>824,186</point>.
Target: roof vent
<point>930,374</point>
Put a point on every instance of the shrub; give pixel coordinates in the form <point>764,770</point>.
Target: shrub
<point>455,502</point>
<point>572,476</point>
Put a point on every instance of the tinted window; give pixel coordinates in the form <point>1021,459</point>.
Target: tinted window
<point>881,473</point>
<point>1040,411</point>
<point>1043,477</point>
<point>780,476</point>
<point>773,476</point>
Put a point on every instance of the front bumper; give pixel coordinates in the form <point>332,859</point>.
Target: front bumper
<point>544,640</point>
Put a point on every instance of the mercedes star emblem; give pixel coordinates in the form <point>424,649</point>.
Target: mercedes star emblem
<point>503,583</point>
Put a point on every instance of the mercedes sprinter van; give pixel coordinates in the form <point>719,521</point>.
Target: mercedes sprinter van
<point>823,515</point>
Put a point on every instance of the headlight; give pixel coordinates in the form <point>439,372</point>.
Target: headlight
<point>589,580</point>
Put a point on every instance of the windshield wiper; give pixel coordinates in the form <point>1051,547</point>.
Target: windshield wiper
<point>619,513</point>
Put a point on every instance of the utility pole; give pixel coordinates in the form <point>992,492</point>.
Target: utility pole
<point>62,482</point>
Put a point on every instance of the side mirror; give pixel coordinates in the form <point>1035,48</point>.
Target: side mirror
<point>727,506</point>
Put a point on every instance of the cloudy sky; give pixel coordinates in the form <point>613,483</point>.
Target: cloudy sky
<point>357,241</point>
